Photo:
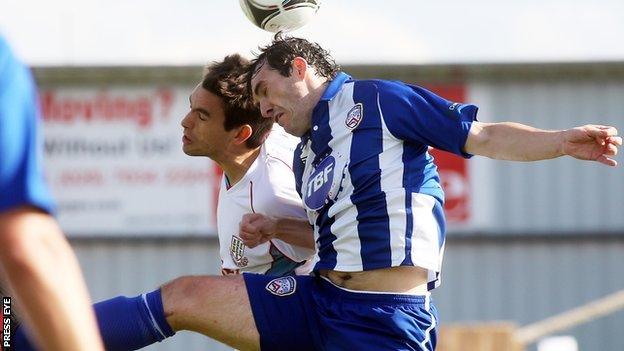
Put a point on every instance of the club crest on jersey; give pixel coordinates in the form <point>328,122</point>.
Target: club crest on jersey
<point>237,252</point>
<point>354,116</point>
<point>283,286</point>
<point>320,183</point>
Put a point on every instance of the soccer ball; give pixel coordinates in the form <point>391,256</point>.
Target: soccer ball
<point>276,15</point>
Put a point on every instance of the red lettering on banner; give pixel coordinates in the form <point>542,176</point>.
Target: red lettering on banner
<point>165,96</point>
<point>81,177</point>
<point>452,168</point>
<point>188,176</point>
<point>106,107</point>
<point>136,176</point>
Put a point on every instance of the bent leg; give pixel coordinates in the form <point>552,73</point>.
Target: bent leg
<point>217,307</point>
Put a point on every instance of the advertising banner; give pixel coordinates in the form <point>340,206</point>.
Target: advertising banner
<point>115,164</point>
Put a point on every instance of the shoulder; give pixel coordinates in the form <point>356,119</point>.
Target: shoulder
<point>12,72</point>
<point>383,89</point>
<point>382,85</point>
<point>280,146</point>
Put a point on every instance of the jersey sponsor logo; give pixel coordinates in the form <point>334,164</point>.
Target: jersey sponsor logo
<point>320,183</point>
<point>237,252</point>
<point>354,116</point>
<point>283,286</point>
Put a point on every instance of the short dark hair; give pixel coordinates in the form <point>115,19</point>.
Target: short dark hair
<point>226,79</point>
<point>280,54</point>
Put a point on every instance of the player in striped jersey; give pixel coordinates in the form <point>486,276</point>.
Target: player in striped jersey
<point>373,195</point>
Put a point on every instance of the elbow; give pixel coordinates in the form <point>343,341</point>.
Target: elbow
<point>479,141</point>
<point>28,239</point>
<point>17,254</point>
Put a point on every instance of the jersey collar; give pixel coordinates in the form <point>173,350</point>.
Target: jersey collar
<point>332,90</point>
<point>334,86</point>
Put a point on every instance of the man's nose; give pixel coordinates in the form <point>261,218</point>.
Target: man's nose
<point>266,109</point>
<point>186,120</point>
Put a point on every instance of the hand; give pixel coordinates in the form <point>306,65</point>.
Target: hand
<point>592,142</point>
<point>256,229</point>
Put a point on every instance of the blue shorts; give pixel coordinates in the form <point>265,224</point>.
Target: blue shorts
<point>310,313</point>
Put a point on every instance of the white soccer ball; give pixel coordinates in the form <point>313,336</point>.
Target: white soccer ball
<point>275,15</point>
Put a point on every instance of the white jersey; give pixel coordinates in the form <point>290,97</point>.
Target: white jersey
<point>268,188</point>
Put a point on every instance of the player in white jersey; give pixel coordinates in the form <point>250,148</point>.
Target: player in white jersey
<point>256,157</point>
<point>268,187</point>
<point>225,127</point>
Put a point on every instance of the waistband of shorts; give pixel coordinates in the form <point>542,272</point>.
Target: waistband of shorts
<point>336,291</point>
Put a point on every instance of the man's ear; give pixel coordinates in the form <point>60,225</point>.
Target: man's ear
<point>299,67</point>
<point>244,133</point>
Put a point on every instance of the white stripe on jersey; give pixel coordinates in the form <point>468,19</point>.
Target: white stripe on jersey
<point>425,242</point>
<point>392,169</point>
<point>347,243</point>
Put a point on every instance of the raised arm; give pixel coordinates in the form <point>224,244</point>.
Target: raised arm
<point>519,142</point>
<point>256,229</point>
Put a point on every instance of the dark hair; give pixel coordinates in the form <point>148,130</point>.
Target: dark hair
<point>282,51</point>
<point>226,79</point>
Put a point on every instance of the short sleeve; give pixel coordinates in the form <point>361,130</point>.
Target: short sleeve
<point>417,115</point>
<point>21,178</point>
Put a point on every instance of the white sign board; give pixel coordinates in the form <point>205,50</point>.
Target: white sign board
<point>115,164</point>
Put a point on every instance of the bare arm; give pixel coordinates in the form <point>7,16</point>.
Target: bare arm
<point>519,142</point>
<point>43,272</point>
<point>256,229</point>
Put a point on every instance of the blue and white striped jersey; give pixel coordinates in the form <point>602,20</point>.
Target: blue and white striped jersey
<point>369,186</point>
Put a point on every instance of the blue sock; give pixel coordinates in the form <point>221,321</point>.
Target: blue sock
<point>125,323</point>
<point>132,323</point>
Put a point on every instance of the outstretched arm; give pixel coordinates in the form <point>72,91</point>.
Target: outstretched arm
<point>518,142</point>
<point>256,228</point>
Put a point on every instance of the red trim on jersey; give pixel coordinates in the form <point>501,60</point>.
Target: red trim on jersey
<point>251,196</point>
<point>282,161</point>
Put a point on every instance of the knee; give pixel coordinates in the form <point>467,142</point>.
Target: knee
<point>183,296</point>
<point>184,288</point>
